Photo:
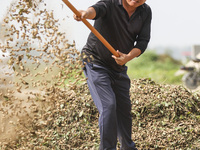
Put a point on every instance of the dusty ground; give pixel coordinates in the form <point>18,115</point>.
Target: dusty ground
<point>21,106</point>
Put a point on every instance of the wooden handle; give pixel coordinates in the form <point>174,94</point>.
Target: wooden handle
<point>94,31</point>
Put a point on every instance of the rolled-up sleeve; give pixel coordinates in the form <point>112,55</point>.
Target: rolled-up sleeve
<point>101,8</point>
<point>145,33</point>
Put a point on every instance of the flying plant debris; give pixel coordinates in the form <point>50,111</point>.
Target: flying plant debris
<point>50,106</point>
<point>39,53</point>
<point>43,62</point>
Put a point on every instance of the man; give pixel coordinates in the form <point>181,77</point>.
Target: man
<point>125,24</point>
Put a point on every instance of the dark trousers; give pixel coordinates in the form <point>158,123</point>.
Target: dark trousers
<point>110,93</point>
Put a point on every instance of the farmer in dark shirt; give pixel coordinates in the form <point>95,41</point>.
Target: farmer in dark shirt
<point>125,24</point>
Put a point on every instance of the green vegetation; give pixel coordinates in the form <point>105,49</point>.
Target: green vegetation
<point>160,68</point>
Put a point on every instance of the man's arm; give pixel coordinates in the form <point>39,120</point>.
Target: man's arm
<point>145,33</point>
<point>124,58</point>
<point>95,11</point>
<point>90,13</point>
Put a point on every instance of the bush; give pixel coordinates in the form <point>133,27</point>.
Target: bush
<point>160,68</point>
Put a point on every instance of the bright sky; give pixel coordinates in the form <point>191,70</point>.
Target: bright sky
<point>175,22</point>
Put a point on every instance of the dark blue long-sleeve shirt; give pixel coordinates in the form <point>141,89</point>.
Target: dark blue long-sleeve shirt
<point>122,32</point>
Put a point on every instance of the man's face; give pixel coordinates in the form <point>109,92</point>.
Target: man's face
<point>135,3</point>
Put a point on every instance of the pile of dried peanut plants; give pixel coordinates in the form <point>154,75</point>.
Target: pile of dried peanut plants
<point>50,107</point>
